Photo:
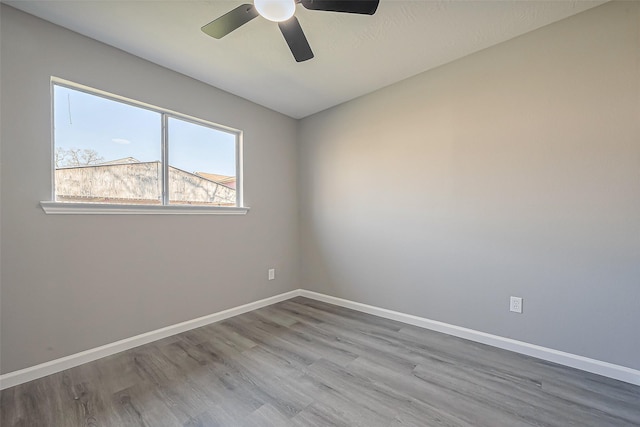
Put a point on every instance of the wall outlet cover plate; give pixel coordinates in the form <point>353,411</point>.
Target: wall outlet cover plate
<point>515,304</point>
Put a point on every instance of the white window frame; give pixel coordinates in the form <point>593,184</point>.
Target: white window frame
<point>54,207</point>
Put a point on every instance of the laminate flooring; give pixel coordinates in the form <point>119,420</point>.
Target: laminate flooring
<point>306,363</point>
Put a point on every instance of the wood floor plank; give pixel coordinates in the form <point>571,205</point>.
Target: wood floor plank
<point>319,416</point>
<point>303,362</point>
<point>266,416</point>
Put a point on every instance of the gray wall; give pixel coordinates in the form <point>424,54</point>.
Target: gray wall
<point>514,171</point>
<point>70,283</point>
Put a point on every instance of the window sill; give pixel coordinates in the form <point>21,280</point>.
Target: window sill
<point>104,209</point>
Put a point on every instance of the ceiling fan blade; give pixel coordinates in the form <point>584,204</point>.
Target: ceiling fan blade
<point>293,34</point>
<point>230,21</point>
<point>364,7</point>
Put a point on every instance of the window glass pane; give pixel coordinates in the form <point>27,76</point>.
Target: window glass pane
<point>105,151</point>
<point>202,164</point>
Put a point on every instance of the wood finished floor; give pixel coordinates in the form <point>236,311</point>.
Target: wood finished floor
<point>307,363</point>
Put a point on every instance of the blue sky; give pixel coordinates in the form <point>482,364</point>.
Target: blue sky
<point>117,130</point>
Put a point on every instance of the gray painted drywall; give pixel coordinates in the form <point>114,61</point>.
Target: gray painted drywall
<point>74,282</point>
<point>513,171</point>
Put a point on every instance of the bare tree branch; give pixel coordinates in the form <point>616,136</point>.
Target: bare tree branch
<point>76,157</point>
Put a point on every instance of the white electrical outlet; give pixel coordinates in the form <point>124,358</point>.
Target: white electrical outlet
<point>272,273</point>
<point>515,304</point>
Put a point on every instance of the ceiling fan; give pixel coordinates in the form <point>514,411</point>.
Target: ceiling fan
<point>282,12</point>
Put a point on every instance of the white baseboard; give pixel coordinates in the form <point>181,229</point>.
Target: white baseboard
<point>606,369</point>
<point>42,370</point>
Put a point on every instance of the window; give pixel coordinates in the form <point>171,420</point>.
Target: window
<point>111,151</point>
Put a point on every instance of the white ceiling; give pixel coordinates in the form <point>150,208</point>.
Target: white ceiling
<point>354,54</point>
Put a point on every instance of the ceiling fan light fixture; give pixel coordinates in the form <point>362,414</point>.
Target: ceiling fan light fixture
<point>282,12</point>
<point>275,10</point>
